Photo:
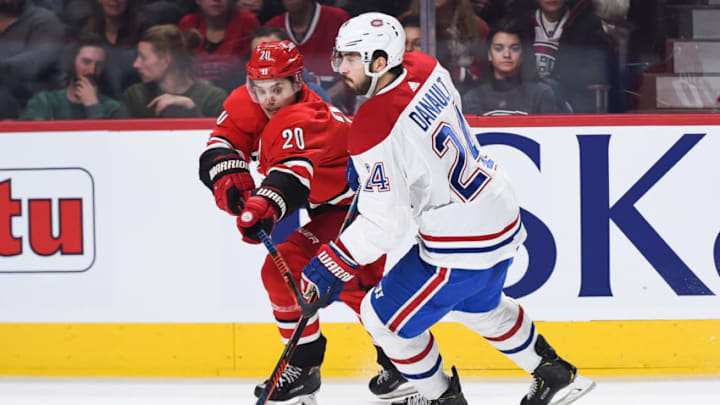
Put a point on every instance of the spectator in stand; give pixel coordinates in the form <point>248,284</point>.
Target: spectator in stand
<point>120,24</point>
<point>31,39</point>
<point>80,99</point>
<point>512,88</point>
<point>225,48</point>
<point>266,33</point>
<point>312,27</point>
<point>411,26</point>
<point>118,21</point>
<point>572,49</point>
<point>263,9</point>
<point>168,88</point>
<point>460,35</point>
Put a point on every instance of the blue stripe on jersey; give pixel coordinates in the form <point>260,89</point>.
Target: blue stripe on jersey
<point>524,345</point>
<point>426,374</point>
<point>472,250</point>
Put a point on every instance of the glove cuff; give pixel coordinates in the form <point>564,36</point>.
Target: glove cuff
<point>337,262</point>
<point>276,200</point>
<point>227,165</point>
<point>217,161</point>
<point>343,253</point>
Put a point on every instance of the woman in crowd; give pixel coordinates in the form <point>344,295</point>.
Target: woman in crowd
<point>168,88</point>
<point>512,87</point>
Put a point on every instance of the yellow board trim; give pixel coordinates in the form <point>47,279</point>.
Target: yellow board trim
<point>251,350</point>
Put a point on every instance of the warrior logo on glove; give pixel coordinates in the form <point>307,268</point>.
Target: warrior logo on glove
<point>328,271</point>
<point>226,173</point>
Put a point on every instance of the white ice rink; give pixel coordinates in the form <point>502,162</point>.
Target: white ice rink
<point>72,391</point>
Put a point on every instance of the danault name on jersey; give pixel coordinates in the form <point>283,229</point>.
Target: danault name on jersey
<point>475,233</point>
<point>431,104</point>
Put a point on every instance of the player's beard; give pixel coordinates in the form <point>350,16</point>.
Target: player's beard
<point>361,88</point>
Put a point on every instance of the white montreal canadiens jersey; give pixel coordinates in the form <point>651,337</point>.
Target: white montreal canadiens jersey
<point>417,160</point>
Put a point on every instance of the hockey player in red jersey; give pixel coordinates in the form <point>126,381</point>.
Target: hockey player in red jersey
<point>301,147</point>
<point>418,163</point>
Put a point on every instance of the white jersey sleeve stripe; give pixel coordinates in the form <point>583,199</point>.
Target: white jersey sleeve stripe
<point>342,197</point>
<point>302,163</point>
<point>303,180</point>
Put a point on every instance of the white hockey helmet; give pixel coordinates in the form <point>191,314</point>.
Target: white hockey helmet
<point>366,34</point>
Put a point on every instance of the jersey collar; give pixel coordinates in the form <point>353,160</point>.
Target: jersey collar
<point>396,82</point>
<point>310,30</point>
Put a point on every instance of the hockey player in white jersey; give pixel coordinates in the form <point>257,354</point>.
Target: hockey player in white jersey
<point>417,162</point>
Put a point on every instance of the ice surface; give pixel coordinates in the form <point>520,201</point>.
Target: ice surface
<point>488,391</point>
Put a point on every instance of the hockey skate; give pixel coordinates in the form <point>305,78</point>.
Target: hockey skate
<point>390,384</point>
<point>452,396</point>
<point>555,381</point>
<point>296,386</point>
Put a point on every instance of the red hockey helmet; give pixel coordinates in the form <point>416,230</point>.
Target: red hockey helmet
<point>273,60</point>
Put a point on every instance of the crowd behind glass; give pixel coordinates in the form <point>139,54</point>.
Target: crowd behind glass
<point>97,59</point>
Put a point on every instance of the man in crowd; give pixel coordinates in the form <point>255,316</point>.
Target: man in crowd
<point>80,99</point>
<point>31,38</point>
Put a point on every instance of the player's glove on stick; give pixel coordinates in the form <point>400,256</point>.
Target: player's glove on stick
<point>332,266</point>
<point>352,176</point>
<point>226,172</point>
<point>261,212</point>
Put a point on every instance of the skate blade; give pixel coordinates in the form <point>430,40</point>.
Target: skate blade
<point>299,400</point>
<point>403,390</point>
<point>579,387</point>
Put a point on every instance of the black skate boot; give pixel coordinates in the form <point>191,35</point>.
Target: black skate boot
<point>296,386</point>
<point>554,375</point>
<point>301,379</point>
<point>452,396</point>
<point>389,383</point>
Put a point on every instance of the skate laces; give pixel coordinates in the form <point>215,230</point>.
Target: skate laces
<point>418,399</point>
<point>533,387</point>
<point>289,375</point>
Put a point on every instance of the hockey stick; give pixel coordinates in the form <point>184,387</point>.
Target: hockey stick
<point>352,210</point>
<point>308,308</point>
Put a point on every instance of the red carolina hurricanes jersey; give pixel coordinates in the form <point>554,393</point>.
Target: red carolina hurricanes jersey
<point>317,43</point>
<point>234,46</point>
<point>307,140</point>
